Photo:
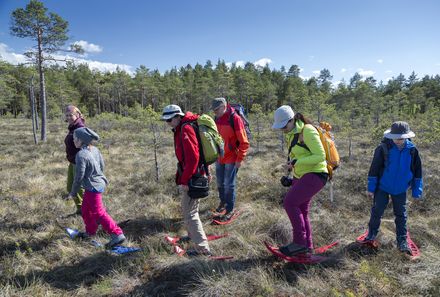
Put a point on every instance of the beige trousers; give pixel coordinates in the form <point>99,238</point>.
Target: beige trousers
<point>194,227</point>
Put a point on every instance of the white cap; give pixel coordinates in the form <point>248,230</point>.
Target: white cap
<point>282,116</point>
<point>170,111</point>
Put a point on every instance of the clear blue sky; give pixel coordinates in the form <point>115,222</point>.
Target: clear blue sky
<point>380,37</point>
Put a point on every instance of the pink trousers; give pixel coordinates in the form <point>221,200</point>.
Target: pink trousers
<point>94,214</point>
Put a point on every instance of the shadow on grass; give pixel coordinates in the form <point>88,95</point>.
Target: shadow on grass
<point>26,246</point>
<point>137,228</point>
<point>180,279</point>
<point>69,277</point>
<point>357,250</point>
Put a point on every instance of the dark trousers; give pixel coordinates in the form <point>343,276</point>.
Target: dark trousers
<point>381,199</point>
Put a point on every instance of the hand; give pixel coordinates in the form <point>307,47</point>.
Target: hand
<point>68,197</point>
<point>184,188</point>
<point>370,194</point>
<point>288,166</point>
<point>209,178</point>
<point>237,164</point>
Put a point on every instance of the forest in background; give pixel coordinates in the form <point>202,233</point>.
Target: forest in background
<point>350,106</point>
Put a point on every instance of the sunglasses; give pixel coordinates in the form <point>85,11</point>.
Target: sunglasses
<point>169,120</point>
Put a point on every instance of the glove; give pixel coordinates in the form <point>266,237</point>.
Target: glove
<point>286,181</point>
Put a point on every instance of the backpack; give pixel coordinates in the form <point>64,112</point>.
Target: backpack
<point>239,110</point>
<point>328,142</point>
<point>210,141</point>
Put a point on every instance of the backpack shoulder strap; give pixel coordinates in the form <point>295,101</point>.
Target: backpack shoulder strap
<point>292,144</point>
<point>412,152</point>
<point>384,147</point>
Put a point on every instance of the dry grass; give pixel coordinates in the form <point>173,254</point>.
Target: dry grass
<point>38,259</point>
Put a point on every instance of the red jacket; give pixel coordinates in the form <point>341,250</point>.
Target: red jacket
<point>236,142</point>
<point>188,158</point>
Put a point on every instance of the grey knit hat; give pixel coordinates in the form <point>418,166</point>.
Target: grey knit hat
<point>86,135</point>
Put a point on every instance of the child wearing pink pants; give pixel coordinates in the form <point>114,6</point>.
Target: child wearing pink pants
<point>89,174</point>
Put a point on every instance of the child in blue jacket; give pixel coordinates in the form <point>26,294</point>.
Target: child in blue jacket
<point>396,166</point>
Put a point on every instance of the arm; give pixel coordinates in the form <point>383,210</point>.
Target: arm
<point>191,153</point>
<point>417,181</point>
<point>243,141</point>
<point>313,142</point>
<point>80,169</point>
<point>375,169</point>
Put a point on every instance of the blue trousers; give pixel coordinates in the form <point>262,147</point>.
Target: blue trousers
<point>226,175</point>
<point>381,199</point>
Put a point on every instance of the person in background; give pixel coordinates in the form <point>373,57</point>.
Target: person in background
<point>236,145</point>
<point>188,155</point>
<point>309,168</point>
<point>89,173</point>
<point>395,167</point>
<point>75,120</point>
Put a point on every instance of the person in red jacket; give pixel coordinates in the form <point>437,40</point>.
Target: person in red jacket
<point>187,153</point>
<point>236,147</point>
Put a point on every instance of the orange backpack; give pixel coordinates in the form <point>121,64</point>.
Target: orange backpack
<point>328,142</point>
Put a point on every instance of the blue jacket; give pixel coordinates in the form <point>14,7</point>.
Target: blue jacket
<point>403,169</point>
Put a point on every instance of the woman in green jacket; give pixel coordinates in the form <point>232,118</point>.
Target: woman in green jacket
<point>310,174</point>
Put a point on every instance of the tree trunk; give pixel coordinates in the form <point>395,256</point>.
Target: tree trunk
<point>42,89</point>
<point>155,146</point>
<point>99,101</point>
<point>32,101</point>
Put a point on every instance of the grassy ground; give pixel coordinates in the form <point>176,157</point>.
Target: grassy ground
<point>38,259</point>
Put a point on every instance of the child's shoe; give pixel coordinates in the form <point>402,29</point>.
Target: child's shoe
<point>404,247</point>
<point>115,240</point>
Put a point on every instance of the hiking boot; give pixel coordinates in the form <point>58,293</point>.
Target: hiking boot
<point>404,248</point>
<point>370,237</point>
<point>115,240</point>
<point>197,253</point>
<point>293,249</point>
<point>227,216</point>
<point>221,207</point>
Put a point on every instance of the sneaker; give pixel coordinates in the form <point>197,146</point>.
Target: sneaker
<point>293,249</point>
<point>197,253</point>
<point>221,207</point>
<point>404,248</point>
<point>227,216</point>
<point>115,240</point>
<point>370,237</point>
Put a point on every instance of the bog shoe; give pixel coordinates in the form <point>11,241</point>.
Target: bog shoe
<point>293,249</point>
<point>115,240</point>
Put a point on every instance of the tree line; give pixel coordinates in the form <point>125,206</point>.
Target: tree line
<point>194,87</point>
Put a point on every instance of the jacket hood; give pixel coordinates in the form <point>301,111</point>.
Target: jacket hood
<point>79,123</point>
<point>189,117</point>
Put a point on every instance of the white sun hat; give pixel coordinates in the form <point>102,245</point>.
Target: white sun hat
<point>170,111</point>
<point>282,116</point>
